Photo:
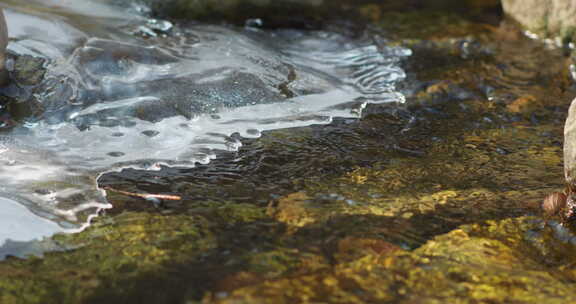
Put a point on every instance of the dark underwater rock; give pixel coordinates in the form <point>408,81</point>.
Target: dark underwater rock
<point>300,13</point>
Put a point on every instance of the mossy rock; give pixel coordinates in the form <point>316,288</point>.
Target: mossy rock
<point>114,258</point>
<point>496,261</point>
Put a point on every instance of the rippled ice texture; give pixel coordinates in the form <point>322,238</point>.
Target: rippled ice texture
<point>121,93</point>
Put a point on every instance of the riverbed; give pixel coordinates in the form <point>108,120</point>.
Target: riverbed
<point>398,158</point>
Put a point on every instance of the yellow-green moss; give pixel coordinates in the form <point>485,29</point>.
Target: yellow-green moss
<point>435,226</point>
<point>468,265</point>
<point>107,254</point>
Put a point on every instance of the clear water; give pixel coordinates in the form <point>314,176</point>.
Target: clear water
<point>126,91</point>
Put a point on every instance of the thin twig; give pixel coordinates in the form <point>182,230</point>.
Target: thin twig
<point>146,195</point>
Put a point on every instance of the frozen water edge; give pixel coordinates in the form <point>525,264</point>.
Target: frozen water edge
<point>116,102</point>
<point>19,224</point>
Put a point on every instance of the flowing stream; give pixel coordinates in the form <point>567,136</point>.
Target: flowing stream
<point>122,90</point>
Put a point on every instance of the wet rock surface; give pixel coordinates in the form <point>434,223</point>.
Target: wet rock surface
<point>555,18</point>
<point>569,141</point>
<point>473,263</point>
<point>302,13</point>
<point>436,200</point>
<point>28,70</point>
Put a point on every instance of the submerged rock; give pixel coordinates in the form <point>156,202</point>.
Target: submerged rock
<point>408,225</point>
<point>132,244</point>
<point>300,13</point>
<point>493,262</point>
<point>235,9</point>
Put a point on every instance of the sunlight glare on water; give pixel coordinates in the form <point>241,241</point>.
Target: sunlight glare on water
<point>119,93</point>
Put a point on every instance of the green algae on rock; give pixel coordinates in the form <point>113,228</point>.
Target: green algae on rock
<point>427,216</point>
<point>29,70</point>
<point>113,258</point>
<point>498,261</point>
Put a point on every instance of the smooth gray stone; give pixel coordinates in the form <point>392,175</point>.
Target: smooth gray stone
<point>570,145</point>
<point>556,18</point>
<point>3,44</point>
